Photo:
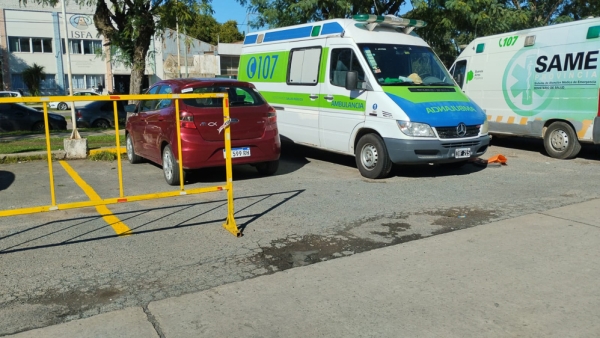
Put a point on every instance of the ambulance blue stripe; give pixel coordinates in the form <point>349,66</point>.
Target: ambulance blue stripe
<point>250,39</point>
<point>441,113</point>
<point>332,28</point>
<point>287,34</point>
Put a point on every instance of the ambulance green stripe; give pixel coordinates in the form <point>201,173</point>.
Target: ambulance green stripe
<point>323,73</point>
<point>303,100</point>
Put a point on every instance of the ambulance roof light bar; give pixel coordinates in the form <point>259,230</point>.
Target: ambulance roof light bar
<point>371,21</point>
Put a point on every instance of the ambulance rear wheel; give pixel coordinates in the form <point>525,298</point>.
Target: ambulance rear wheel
<point>560,141</point>
<point>372,158</point>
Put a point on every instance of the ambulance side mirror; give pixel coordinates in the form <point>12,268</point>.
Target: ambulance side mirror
<point>351,80</point>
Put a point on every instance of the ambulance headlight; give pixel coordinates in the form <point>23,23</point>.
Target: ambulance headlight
<point>415,129</point>
<point>484,128</point>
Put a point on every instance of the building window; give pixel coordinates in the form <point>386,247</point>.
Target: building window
<point>82,81</point>
<point>91,46</point>
<point>28,45</point>
<point>75,46</point>
<point>78,46</point>
<point>94,80</point>
<point>41,45</point>
<point>17,81</point>
<point>48,82</point>
<point>229,65</point>
<point>19,44</point>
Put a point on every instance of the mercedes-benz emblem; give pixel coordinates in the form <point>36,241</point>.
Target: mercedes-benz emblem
<point>461,130</point>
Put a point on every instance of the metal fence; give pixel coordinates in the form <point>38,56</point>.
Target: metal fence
<point>230,223</point>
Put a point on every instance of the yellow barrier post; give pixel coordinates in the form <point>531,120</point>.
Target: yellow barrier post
<point>49,152</point>
<point>179,155</point>
<point>230,223</point>
<point>118,142</point>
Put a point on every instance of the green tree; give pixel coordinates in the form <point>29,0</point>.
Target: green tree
<point>229,32</point>
<point>279,13</point>
<point>130,25</point>
<point>450,23</point>
<point>33,76</point>
<point>579,9</point>
<point>204,28</point>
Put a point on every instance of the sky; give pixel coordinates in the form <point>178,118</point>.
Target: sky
<point>231,10</point>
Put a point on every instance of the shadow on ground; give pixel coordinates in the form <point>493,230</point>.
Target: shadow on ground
<point>588,151</point>
<point>56,233</point>
<point>6,179</point>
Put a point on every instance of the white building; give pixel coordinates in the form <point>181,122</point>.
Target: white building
<point>36,34</point>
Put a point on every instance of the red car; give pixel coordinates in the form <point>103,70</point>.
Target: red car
<point>151,129</point>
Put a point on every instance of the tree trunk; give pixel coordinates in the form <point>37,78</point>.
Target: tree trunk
<point>141,47</point>
<point>137,74</point>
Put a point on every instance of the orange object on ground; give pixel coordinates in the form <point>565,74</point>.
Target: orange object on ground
<point>497,159</point>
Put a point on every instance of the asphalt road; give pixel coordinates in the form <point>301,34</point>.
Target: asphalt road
<point>62,265</point>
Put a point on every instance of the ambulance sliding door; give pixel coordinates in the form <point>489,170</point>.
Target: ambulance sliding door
<point>299,120</point>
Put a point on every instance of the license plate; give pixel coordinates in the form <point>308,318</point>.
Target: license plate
<point>462,153</point>
<point>238,152</point>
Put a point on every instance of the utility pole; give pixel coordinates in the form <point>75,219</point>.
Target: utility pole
<point>178,58</point>
<point>75,133</point>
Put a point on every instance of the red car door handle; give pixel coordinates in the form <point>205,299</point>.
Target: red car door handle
<point>160,118</point>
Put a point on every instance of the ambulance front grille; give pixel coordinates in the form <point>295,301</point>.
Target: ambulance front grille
<point>450,132</point>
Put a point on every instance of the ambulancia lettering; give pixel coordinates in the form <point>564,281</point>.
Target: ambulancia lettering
<point>353,105</point>
<point>441,109</point>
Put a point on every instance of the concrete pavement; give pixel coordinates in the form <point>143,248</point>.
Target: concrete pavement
<point>531,276</point>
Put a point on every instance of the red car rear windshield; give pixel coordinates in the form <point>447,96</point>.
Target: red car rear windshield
<point>238,96</point>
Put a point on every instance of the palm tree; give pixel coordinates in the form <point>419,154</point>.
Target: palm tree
<point>33,76</point>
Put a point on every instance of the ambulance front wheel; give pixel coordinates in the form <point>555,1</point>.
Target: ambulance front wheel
<point>560,141</point>
<point>372,158</point>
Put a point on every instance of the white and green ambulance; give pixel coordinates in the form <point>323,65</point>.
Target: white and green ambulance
<point>540,82</point>
<point>368,87</point>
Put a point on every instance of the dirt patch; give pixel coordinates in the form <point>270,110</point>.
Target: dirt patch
<point>77,301</point>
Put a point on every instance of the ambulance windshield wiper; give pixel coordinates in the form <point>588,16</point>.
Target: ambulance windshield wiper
<point>404,84</point>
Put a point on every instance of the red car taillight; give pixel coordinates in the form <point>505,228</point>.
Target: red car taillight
<point>272,115</point>
<point>78,114</point>
<point>187,122</point>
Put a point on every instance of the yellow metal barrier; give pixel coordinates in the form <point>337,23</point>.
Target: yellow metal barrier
<point>230,224</point>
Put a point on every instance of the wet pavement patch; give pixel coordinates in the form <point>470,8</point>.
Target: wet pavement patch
<point>370,233</point>
<point>294,252</point>
<point>461,218</point>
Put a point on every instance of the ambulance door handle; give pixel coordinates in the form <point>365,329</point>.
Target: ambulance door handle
<point>329,97</point>
<point>313,96</point>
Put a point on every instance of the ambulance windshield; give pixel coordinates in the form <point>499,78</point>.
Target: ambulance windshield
<point>402,65</point>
